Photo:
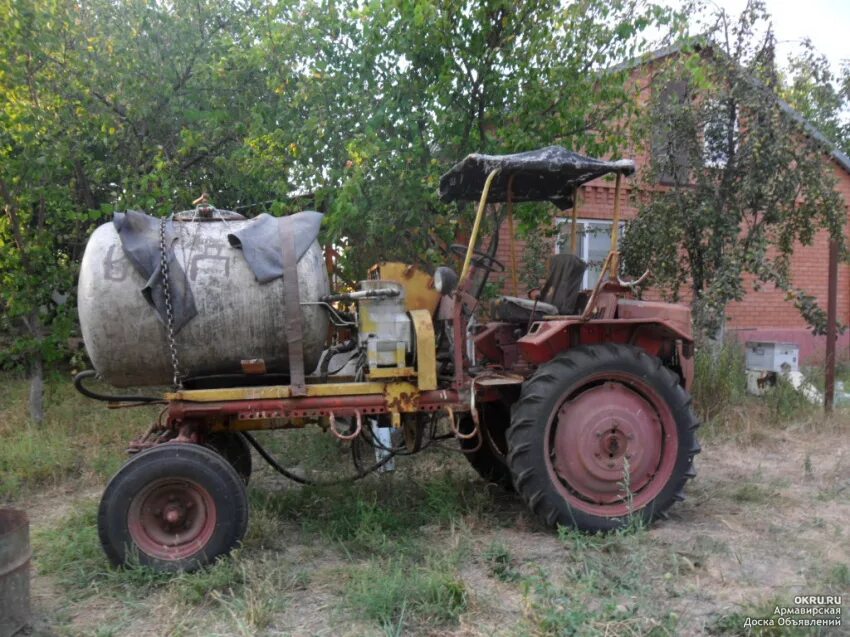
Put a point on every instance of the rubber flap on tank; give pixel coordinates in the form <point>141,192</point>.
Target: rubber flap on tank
<point>261,246</point>
<point>140,240</point>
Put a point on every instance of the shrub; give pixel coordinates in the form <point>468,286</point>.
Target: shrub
<point>720,379</point>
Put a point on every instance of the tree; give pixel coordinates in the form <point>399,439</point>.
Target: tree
<point>390,94</point>
<point>742,182</point>
<point>354,108</point>
<point>103,105</point>
<point>36,184</point>
<point>818,95</point>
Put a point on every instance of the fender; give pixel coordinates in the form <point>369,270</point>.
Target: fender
<point>661,329</point>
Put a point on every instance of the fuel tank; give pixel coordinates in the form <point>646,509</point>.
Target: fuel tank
<point>238,318</point>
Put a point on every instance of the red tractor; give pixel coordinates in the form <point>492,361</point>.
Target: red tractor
<point>577,399</point>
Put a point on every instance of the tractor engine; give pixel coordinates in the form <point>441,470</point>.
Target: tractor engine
<point>383,333</point>
<point>384,330</point>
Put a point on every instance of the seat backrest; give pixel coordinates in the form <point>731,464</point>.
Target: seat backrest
<point>566,272</point>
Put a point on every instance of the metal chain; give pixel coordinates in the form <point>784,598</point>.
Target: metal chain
<point>169,310</point>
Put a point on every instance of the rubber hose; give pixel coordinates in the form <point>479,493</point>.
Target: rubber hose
<point>313,483</point>
<point>117,398</point>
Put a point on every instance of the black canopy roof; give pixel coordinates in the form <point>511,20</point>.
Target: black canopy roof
<point>548,174</point>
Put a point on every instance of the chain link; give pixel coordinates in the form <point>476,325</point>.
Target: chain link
<point>169,310</point>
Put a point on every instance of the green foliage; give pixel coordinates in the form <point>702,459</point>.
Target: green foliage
<point>838,576</point>
<point>753,493</point>
<point>365,518</point>
<point>501,562</point>
<point>534,264</point>
<point>248,592</point>
<point>818,95</point>
<point>747,185</point>
<point>352,108</point>
<point>735,623</point>
<point>84,439</point>
<point>720,379</point>
<point>393,590</point>
<point>71,552</point>
<point>785,401</point>
<point>415,86</point>
<point>604,588</point>
<point>104,105</point>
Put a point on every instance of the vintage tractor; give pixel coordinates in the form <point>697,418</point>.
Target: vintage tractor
<point>577,399</point>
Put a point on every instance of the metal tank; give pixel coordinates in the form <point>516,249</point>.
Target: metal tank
<point>15,556</point>
<point>238,318</point>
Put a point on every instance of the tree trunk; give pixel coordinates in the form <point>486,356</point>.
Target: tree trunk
<point>37,389</point>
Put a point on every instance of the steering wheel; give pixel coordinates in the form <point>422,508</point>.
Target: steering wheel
<point>479,259</point>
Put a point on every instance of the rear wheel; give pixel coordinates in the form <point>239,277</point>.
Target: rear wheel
<point>601,434</point>
<point>174,507</point>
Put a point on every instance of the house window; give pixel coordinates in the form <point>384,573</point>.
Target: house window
<point>718,134</point>
<point>669,150</point>
<point>593,241</point>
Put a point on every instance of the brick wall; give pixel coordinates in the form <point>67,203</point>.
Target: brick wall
<point>766,315</point>
<point>763,314</point>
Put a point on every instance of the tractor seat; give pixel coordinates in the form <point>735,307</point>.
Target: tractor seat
<point>558,296</point>
<point>514,309</point>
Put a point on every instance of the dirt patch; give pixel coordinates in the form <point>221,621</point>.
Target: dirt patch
<point>760,523</point>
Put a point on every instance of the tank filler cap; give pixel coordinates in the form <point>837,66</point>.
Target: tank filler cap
<point>205,211</point>
<point>203,206</point>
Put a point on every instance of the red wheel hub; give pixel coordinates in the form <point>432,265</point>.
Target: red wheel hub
<point>172,519</point>
<point>609,440</point>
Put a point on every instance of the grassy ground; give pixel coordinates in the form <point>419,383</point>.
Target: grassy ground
<point>432,550</point>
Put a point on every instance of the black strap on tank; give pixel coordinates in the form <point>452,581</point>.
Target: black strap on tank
<point>294,326</point>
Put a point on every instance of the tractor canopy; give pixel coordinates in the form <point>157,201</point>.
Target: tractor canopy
<point>548,174</point>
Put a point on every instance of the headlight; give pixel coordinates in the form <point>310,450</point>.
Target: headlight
<point>445,280</point>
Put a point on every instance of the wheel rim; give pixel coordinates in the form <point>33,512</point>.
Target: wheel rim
<point>611,445</point>
<point>172,519</point>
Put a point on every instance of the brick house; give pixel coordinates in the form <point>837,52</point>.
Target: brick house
<point>762,314</point>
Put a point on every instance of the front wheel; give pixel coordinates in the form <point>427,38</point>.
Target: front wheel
<point>601,435</point>
<point>174,507</point>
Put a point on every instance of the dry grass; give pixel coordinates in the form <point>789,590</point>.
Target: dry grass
<point>431,550</point>
<point>80,439</point>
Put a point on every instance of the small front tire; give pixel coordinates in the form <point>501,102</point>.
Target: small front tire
<point>174,507</point>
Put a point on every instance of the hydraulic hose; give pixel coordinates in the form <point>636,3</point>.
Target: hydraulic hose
<point>328,354</point>
<point>313,483</point>
<point>108,398</point>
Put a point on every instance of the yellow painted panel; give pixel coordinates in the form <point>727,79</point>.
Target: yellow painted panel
<point>419,292</point>
<point>426,349</point>
<point>392,372</point>
<point>276,391</point>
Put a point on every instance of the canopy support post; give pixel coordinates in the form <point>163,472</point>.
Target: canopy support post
<point>473,239</point>
<point>615,230</point>
<point>511,241</point>
<point>573,227</point>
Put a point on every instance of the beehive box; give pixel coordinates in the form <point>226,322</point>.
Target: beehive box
<point>773,357</point>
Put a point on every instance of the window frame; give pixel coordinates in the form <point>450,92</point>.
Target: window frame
<point>711,157</point>
<point>583,244</point>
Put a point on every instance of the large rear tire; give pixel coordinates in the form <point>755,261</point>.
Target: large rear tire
<point>602,435</point>
<point>175,507</point>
